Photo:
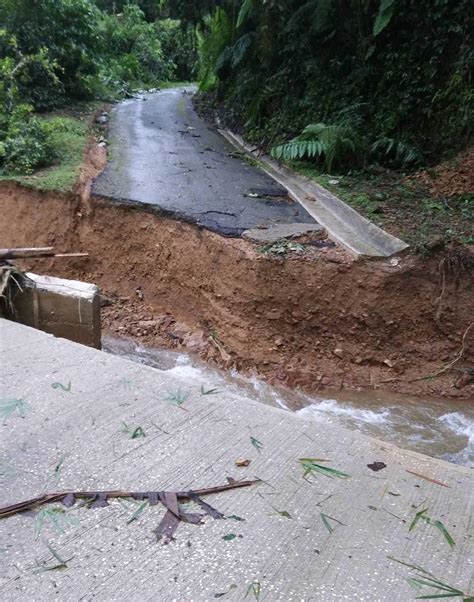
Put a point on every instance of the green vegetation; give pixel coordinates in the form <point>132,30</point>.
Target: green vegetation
<point>58,53</point>
<point>331,87</point>
<point>64,140</point>
<point>377,80</point>
<point>402,207</point>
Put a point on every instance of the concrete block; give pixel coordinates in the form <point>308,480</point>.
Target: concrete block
<point>65,308</point>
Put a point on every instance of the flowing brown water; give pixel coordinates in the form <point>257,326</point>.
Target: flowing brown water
<point>436,427</point>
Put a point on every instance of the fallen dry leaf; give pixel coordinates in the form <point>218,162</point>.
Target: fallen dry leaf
<point>242,462</point>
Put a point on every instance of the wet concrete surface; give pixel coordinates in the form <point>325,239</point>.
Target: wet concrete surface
<point>163,156</point>
<point>311,539</point>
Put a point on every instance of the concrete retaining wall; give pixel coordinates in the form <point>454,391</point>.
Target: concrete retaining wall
<point>65,308</point>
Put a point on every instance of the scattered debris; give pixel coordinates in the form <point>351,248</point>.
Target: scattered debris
<point>255,588</point>
<point>229,537</point>
<point>326,518</point>
<point>310,465</point>
<point>376,466</point>
<point>61,386</point>
<point>256,443</point>
<point>424,578</point>
<point>134,433</point>
<point>421,515</point>
<point>99,499</point>
<point>282,247</point>
<point>242,462</point>
<point>9,406</point>
<point>420,476</point>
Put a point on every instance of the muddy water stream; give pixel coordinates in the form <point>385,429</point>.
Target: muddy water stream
<point>436,427</point>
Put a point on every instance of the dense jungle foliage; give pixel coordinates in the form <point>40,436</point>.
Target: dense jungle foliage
<point>366,80</point>
<point>340,82</point>
<point>57,52</point>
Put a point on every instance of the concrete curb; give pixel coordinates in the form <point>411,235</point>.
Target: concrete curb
<point>357,234</point>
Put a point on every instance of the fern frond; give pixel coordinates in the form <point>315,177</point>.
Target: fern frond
<point>240,48</point>
<point>396,151</point>
<point>333,143</point>
<point>244,12</point>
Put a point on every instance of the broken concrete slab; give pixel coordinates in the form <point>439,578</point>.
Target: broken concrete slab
<point>279,231</point>
<point>65,308</point>
<point>283,549</point>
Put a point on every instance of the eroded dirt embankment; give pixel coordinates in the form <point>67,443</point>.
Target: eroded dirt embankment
<point>316,320</point>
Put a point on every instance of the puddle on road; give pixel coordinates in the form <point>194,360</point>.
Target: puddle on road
<point>436,427</point>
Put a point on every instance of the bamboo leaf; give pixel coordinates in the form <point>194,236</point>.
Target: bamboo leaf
<point>256,443</point>
<point>8,407</point>
<point>418,516</point>
<point>138,512</point>
<point>311,466</point>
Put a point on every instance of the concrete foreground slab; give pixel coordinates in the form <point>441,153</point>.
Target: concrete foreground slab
<point>318,538</point>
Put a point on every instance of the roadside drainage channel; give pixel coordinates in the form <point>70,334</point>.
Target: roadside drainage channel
<point>346,226</point>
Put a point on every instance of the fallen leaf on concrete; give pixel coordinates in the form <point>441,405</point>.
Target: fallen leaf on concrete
<point>256,443</point>
<point>326,518</point>
<point>138,512</point>
<point>61,564</point>
<point>311,465</point>
<point>242,462</point>
<point>219,595</point>
<point>376,466</point>
<point>61,386</point>
<point>283,513</point>
<point>255,588</point>
<point>229,537</point>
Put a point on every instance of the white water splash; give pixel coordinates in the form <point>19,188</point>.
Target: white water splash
<point>331,407</point>
<point>460,425</point>
<point>422,425</point>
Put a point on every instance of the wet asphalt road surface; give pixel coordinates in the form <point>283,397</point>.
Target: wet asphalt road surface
<point>163,156</point>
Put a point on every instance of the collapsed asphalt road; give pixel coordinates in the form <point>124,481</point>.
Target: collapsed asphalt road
<point>161,153</point>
